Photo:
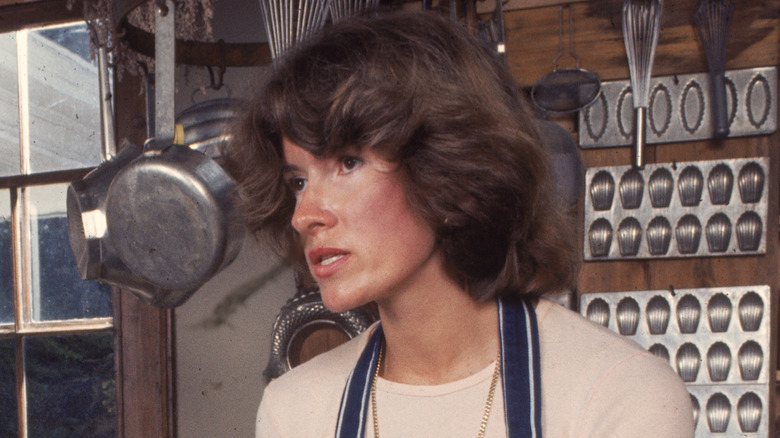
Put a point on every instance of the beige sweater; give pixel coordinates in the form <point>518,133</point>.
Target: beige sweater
<point>594,384</point>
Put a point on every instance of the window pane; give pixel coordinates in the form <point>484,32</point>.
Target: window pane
<point>58,290</point>
<point>6,261</point>
<point>9,106</point>
<point>71,388</point>
<point>8,415</point>
<point>64,99</point>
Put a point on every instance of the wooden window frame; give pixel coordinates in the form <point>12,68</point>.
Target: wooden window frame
<point>143,334</point>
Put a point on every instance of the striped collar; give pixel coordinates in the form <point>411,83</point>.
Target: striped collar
<point>520,375</point>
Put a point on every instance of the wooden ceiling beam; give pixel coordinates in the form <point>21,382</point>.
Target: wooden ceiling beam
<point>15,14</point>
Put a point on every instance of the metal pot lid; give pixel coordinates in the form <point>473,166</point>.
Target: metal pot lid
<point>170,218</point>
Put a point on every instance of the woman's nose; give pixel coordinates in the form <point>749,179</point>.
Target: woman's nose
<point>312,212</point>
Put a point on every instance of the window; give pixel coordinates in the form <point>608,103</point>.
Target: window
<point>57,376</point>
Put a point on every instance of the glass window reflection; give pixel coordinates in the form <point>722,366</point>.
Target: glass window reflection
<point>63,102</point>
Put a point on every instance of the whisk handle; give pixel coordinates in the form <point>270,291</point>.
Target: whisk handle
<point>720,117</point>
<point>640,135</point>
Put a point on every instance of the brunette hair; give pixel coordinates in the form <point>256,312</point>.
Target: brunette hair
<point>420,91</point>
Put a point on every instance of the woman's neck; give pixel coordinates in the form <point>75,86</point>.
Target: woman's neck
<point>437,334</point>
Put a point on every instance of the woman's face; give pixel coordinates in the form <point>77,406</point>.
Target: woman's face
<point>361,239</point>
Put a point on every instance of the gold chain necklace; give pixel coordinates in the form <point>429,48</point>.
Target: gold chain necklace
<point>488,403</point>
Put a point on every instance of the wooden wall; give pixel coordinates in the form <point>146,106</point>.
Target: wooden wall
<point>532,43</point>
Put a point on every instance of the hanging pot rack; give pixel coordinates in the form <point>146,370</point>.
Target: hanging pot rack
<point>199,53</point>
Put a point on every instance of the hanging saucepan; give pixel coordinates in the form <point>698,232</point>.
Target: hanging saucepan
<point>171,219</point>
<point>569,89</point>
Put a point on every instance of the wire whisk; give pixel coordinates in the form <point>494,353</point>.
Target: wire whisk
<point>641,27</point>
<point>341,9</point>
<point>289,21</point>
<point>713,20</point>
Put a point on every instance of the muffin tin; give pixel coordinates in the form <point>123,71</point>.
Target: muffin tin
<point>716,339</point>
<point>684,209</point>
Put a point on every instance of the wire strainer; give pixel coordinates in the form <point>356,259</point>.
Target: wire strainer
<point>569,89</point>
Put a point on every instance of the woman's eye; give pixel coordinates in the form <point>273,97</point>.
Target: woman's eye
<point>297,184</point>
<point>348,164</point>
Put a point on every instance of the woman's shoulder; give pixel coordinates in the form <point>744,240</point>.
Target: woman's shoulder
<point>594,380</point>
<point>589,349</point>
<point>307,397</point>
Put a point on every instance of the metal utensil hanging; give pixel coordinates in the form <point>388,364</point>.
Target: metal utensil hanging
<point>570,89</point>
<point>713,20</point>
<point>641,27</point>
<point>289,21</point>
<point>341,9</point>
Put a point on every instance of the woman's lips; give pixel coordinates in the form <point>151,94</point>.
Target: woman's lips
<point>324,262</point>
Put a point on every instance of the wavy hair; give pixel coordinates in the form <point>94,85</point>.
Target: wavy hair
<point>420,91</point>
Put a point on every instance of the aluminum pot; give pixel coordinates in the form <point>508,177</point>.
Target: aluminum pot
<point>171,220</point>
<point>93,252</point>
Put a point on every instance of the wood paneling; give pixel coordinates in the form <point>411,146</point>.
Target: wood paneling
<point>16,15</point>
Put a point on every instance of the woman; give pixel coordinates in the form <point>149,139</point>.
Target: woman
<point>396,156</point>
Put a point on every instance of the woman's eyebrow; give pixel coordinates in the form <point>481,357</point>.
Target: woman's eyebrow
<point>288,168</point>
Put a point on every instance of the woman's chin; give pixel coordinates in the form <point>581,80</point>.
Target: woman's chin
<point>339,302</point>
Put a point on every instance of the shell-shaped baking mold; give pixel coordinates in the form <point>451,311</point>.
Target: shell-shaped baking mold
<point>749,409</point>
<point>751,311</point>
<point>751,182</point>
<point>658,350</point>
<point>718,340</point>
<point>719,361</point>
<point>689,186</point>
<point>627,315</point>
<point>600,238</point>
<point>657,314</point>
<point>718,232</point>
<point>750,359</point>
<point>749,230</point>
<point>719,313</point>
<point>631,187</point>
<point>720,183</point>
<point>688,360</point>
<point>660,187</point>
<point>598,312</point>
<point>720,222</point>
<point>718,412</point>
<point>602,190</point>
<point>658,235</point>
<point>688,234</point>
<point>688,314</point>
<point>629,236</point>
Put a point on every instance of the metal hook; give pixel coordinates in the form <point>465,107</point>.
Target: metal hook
<point>162,7</point>
<point>216,85</point>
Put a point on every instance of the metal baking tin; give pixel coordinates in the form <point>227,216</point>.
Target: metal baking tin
<point>684,209</point>
<point>717,339</point>
<point>680,109</point>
